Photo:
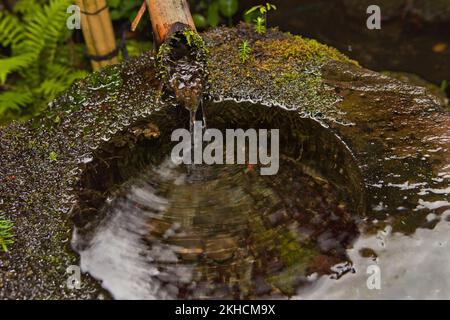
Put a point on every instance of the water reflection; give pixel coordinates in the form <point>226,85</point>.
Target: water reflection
<point>411,267</point>
<point>220,232</point>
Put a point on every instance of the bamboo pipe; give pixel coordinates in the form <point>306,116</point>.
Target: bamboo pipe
<point>98,32</point>
<point>166,15</point>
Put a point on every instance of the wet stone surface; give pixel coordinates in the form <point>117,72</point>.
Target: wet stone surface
<point>396,134</point>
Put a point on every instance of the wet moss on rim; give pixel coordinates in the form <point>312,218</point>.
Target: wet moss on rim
<point>281,67</point>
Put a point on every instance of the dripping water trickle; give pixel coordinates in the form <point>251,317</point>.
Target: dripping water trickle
<point>193,115</point>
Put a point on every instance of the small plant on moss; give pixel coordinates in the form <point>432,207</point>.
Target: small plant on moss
<point>261,20</point>
<point>244,50</point>
<point>193,39</point>
<point>260,25</point>
<point>6,236</point>
<point>53,156</point>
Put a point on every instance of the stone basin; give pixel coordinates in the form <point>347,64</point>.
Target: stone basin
<point>396,135</point>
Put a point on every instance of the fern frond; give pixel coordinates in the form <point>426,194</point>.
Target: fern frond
<point>42,32</point>
<point>40,77</point>
<point>45,27</point>
<point>50,88</point>
<point>64,74</point>
<point>25,7</point>
<point>49,24</point>
<point>14,101</point>
<point>12,64</point>
<point>57,79</point>
<point>11,31</point>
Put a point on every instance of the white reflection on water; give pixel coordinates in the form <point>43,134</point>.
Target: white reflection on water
<point>118,255</point>
<point>412,267</point>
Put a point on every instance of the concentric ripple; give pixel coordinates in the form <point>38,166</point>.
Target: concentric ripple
<point>224,231</point>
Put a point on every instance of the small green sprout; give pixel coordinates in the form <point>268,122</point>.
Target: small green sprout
<point>6,236</point>
<point>244,50</point>
<point>260,25</point>
<point>53,156</point>
<point>261,21</point>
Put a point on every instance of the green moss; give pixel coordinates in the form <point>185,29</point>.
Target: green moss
<point>163,53</point>
<point>194,40</point>
<point>291,63</point>
<point>6,235</point>
<point>291,253</point>
<point>53,156</point>
<point>302,50</point>
<point>106,80</point>
<point>286,77</point>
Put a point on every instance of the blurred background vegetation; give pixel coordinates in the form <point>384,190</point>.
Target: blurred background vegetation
<point>40,57</point>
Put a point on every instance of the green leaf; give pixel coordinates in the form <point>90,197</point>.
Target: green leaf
<point>228,7</point>
<point>253,9</point>
<point>199,20</point>
<point>244,50</point>
<point>14,63</point>
<point>11,30</point>
<point>270,6</point>
<point>213,14</point>
<point>114,3</point>
<point>39,72</point>
<point>14,101</point>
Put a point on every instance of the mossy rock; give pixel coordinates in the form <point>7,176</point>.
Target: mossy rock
<point>396,132</point>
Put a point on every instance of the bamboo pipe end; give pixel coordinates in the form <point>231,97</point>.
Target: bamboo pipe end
<point>167,17</point>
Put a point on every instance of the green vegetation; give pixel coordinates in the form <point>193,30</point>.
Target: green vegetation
<point>6,236</point>
<point>303,50</point>
<point>210,13</point>
<point>261,20</point>
<point>163,56</point>
<point>244,50</point>
<point>262,8</point>
<point>53,156</point>
<point>124,9</point>
<point>193,39</point>
<point>260,25</point>
<point>36,71</point>
<point>40,57</point>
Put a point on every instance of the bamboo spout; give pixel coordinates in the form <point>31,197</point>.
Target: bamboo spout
<point>166,15</point>
<point>177,56</point>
